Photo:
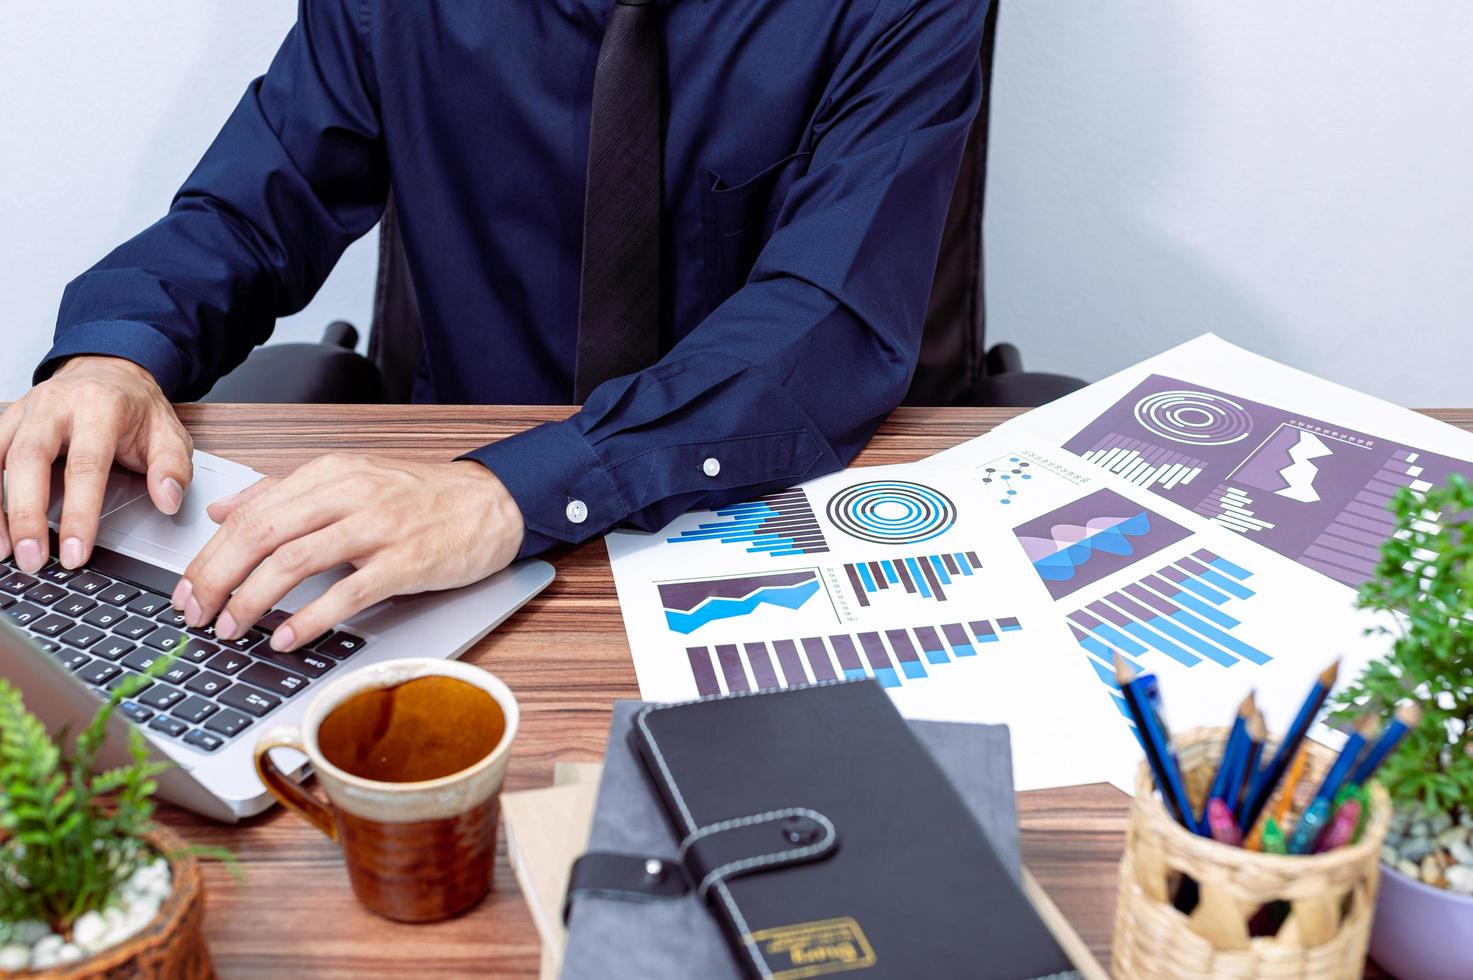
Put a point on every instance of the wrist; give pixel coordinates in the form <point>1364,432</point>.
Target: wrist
<point>84,362</point>
<point>504,511</point>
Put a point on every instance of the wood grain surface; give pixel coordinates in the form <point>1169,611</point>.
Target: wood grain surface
<point>566,657</point>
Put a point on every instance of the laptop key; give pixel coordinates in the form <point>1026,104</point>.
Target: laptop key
<point>136,683</point>
<point>51,625</point>
<point>197,651</point>
<point>339,644</point>
<point>135,627</point>
<point>228,662</point>
<point>89,583</point>
<point>164,639</point>
<point>148,604</point>
<point>169,726</point>
<point>82,635</point>
<point>228,723</point>
<point>105,616</point>
<point>249,700</point>
<point>6,600</point>
<point>304,662</point>
<point>179,672</point>
<point>119,594</point>
<point>17,584</point>
<point>24,613</point>
<point>58,573</point>
<point>208,684</point>
<point>50,646</point>
<point>273,679</point>
<point>204,632</point>
<point>72,659</point>
<point>269,622</point>
<point>246,642</point>
<point>112,648</point>
<point>201,739</point>
<point>195,710</point>
<point>161,697</point>
<point>171,617</point>
<point>98,672</point>
<point>141,659</point>
<point>73,605</point>
<point>136,712</point>
<point>45,593</point>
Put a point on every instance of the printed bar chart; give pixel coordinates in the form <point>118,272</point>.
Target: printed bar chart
<point>927,576</point>
<point>1182,611</point>
<point>1143,464</point>
<point>778,524</point>
<point>893,657</point>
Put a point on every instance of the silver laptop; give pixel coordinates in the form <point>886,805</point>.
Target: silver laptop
<point>67,636</point>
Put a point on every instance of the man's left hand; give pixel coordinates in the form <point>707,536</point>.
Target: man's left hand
<point>404,527</point>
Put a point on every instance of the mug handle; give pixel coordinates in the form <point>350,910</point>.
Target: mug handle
<point>290,793</point>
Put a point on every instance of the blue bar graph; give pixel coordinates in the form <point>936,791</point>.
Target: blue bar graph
<point>925,576</point>
<point>893,657</point>
<point>778,524</point>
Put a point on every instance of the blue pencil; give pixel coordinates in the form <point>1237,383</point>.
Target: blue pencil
<point>1268,778</point>
<point>1345,761</point>
<point>1164,767</point>
<point>1230,765</point>
<point>1248,764</point>
<point>1401,723</point>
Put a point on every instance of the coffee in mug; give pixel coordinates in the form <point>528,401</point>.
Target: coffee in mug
<point>411,755</point>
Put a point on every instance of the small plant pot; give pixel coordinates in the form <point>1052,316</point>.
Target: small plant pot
<point>171,947</point>
<point>1421,931</point>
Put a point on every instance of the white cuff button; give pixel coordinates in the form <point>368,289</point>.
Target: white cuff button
<point>577,511</point>
<point>712,466</point>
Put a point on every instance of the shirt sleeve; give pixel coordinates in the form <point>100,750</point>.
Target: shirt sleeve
<point>297,173</point>
<point>789,377</point>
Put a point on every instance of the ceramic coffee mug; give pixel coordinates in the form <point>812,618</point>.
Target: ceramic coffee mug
<point>411,755</point>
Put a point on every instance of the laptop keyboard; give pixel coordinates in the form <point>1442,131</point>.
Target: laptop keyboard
<point>113,618</point>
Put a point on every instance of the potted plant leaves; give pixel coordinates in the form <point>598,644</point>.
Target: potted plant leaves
<point>89,886</point>
<point>1424,913</point>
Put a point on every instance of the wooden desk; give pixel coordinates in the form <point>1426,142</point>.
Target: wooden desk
<point>566,657</point>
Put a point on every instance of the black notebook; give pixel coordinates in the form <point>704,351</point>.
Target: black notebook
<point>827,840</point>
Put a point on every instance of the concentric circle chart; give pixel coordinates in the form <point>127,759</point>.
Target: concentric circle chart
<point>1196,418</point>
<point>891,512</point>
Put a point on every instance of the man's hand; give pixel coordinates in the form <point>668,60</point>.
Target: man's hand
<point>97,409</point>
<point>404,527</point>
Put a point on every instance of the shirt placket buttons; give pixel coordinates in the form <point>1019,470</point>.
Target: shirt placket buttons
<point>577,511</point>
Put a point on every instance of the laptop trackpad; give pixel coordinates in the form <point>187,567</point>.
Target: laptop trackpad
<point>186,532</point>
<point>123,487</point>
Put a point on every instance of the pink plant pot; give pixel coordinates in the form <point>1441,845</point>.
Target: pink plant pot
<point>1421,932</point>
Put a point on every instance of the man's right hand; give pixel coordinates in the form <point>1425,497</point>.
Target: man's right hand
<point>96,410</point>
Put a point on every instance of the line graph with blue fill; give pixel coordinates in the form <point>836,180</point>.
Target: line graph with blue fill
<point>780,523</point>
<point>1183,611</point>
<point>689,605</point>
<point>894,657</point>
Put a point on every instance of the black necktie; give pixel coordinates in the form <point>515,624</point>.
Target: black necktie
<point>619,309</point>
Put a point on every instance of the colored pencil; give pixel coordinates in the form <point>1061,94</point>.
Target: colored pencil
<point>1163,763</point>
<point>1341,830</point>
<point>1267,780</point>
<point>1345,761</point>
<point>1273,838</point>
<point>1248,767</point>
<point>1401,723</point>
<point>1230,765</point>
<point>1220,822</point>
<point>1310,826</point>
<point>1286,799</point>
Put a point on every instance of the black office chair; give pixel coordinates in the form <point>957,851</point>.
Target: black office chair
<point>955,368</point>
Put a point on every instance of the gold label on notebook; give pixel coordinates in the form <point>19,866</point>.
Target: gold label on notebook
<point>810,949</point>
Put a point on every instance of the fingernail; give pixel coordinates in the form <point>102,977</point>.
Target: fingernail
<point>225,627</point>
<point>71,552</point>
<point>283,639</point>
<point>28,555</point>
<point>193,614</point>
<point>182,591</point>
<point>173,494</point>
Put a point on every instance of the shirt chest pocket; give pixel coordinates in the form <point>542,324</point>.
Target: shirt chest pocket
<point>738,218</point>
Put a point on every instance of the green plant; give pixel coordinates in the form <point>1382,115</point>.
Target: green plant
<point>1425,577</point>
<point>69,836</point>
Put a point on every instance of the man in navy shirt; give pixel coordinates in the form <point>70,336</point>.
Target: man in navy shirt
<point>807,151</point>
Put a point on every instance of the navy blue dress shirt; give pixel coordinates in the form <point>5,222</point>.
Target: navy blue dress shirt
<point>810,151</point>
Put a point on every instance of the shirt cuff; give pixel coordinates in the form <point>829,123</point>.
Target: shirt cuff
<point>128,339</point>
<point>562,488</point>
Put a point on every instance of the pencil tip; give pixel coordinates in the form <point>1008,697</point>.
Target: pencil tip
<point>1367,724</point>
<point>1410,716</point>
<point>1257,730</point>
<point>1123,672</point>
<point>1328,675</point>
<point>1245,710</point>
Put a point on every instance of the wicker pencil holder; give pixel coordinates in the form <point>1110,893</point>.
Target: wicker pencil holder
<point>1331,896</point>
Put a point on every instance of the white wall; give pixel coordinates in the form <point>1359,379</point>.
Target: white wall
<point>105,107</point>
<point>1297,177</point>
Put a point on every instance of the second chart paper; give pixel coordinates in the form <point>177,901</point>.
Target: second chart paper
<point>901,574</point>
